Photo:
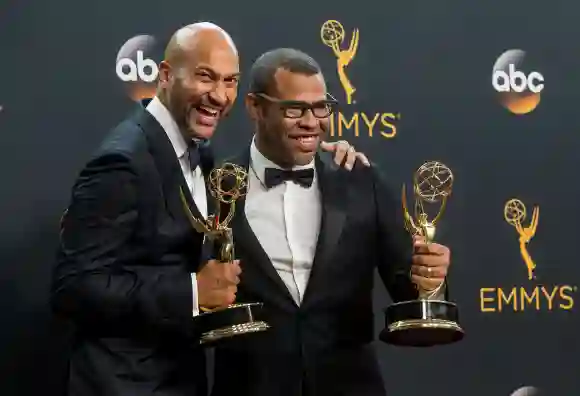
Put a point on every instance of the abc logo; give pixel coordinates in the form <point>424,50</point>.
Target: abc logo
<point>527,391</point>
<point>136,68</point>
<point>519,91</point>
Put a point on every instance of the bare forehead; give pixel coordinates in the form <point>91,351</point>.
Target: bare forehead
<point>299,86</point>
<point>209,48</point>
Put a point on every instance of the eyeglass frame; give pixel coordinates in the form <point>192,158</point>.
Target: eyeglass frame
<point>286,105</point>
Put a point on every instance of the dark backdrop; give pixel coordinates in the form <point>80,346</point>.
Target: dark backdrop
<point>426,65</point>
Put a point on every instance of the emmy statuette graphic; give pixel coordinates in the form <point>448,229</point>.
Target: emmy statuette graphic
<point>226,185</point>
<point>332,35</point>
<point>425,321</point>
<point>514,212</point>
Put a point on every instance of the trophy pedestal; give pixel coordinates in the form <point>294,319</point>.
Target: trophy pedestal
<point>421,323</point>
<point>233,320</point>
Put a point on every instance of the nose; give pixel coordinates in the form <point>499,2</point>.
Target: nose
<point>308,120</point>
<point>219,95</point>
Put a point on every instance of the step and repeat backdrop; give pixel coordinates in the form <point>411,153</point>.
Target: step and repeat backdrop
<point>491,89</point>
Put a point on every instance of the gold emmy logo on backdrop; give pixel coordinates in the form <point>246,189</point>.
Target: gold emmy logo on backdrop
<point>332,34</point>
<point>359,123</point>
<point>427,321</point>
<point>514,213</point>
<point>226,185</point>
<point>542,297</point>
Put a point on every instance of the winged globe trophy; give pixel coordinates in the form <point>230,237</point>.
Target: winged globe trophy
<point>226,185</point>
<point>429,320</point>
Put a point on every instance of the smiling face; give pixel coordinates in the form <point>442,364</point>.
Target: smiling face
<point>201,84</point>
<point>293,119</point>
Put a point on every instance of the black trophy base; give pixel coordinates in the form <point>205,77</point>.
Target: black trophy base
<point>421,323</point>
<point>234,320</point>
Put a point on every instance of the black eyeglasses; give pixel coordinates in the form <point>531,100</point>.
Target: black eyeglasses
<point>296,108</point>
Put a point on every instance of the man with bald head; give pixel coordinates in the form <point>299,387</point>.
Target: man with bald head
<point>199,78</point>
<point>131,273</point>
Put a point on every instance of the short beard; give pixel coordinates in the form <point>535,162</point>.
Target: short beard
<point>179,115</point>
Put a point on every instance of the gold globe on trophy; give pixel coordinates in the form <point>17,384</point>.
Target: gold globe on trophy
<point>226,185</point>
<point>426,321</point>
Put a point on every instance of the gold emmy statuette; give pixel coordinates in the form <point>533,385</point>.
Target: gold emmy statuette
<point>226,185</point>
<point>426,321</point>
<point>332,35</point>
<point>514,212</point>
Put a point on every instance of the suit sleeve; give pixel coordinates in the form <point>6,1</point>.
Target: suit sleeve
<point>103,279</point>
<point>394,244</point>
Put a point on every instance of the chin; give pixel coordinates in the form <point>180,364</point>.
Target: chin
<point>202,131</point>
<point>304,158</point>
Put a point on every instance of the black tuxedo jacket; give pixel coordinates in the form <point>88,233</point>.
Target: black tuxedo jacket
<point>123,270</point>
<point>322,347</point>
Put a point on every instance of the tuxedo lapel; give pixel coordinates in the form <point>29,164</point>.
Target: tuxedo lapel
<point>207,164</point>
<point>168,166</point>
<point>333,193</point>
<point>244,235</point>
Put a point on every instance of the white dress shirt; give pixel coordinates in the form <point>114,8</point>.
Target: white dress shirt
<point>194,179</point>
<point>286,221</point>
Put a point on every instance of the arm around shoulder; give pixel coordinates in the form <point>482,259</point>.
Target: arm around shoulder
<point>104,277</point>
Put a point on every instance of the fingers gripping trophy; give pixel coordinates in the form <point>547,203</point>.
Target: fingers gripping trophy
<point>226,185</point>
<point>426,321</point>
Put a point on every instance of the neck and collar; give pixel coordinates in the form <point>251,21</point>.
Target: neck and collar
<point>169,148</point>
<point>179,140</point>
<point>167,122</point>
<point>330,180</point>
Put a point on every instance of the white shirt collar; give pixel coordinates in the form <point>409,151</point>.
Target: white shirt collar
<point>259,162</point>
<point>165,119</point>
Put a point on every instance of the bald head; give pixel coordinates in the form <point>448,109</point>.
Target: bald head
<point>198,79</point>
<point>197,36</point>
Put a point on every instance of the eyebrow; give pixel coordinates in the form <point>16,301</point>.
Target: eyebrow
<point>212,71</point>
<point>302,102</point>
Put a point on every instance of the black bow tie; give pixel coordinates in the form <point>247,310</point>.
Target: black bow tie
<point>274,176</point>
<point>199,153</point>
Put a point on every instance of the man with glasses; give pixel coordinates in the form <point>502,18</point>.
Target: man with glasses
<point>310,235</point>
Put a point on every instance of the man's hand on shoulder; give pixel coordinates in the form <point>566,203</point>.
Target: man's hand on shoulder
<point>345,154</point>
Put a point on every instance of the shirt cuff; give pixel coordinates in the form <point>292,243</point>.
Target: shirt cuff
<point>195,309</point>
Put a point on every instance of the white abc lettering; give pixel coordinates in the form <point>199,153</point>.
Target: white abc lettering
<point>516,81</point>
<point>121,68</point>
<point>144,69</point>
<point>532,86</point>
